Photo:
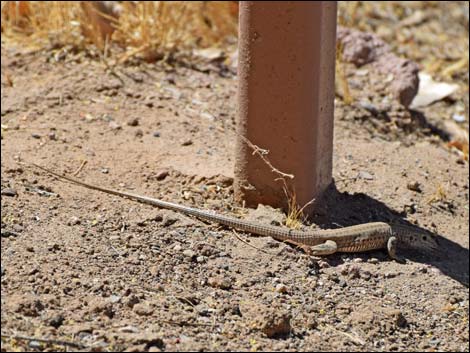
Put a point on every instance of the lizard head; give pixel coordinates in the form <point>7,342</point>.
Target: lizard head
<point>427,242</point>
<point>417,238</point>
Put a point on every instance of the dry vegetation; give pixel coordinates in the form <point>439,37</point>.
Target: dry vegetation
<point>146,29</point>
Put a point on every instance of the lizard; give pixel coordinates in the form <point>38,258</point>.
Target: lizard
<point>356,238</point>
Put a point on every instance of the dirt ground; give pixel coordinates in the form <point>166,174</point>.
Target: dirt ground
<point>111,274</point>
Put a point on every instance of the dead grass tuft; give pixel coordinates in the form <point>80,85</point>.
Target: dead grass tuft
<point>148,29</point>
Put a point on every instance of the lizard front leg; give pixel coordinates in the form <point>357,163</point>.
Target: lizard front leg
<point>392,250</point>
<point>327,248</point>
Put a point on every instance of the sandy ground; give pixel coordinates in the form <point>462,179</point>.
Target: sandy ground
<point>112,274</point>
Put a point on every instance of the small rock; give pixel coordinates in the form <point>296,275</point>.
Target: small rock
<point>143,309</point>
<point>133,122</point>
<point>460,118</point>
<point>73,221</point>
<point>414,186</point>
<point>281,288</point>
<point>423,269</point>
<point>139,133</point>
<point>189,253</point>
<point>177,248</point>
<point>9,233</point>
<point>187,143</point>
<point>129,329</point>
<point>200,259</point>
<point>357,260</point>
<point>162,175</point>
<point>131,301</point>
<point>156,134</point>
<point>114,125</point>
<point>398,318</point>
<point>390,274</point>
<point>354,272</point>
<point>56,321</point>
<point>52,136</point>
<point>168,221</point>
<point>9,192</point>
<point>220,282</point>
<point>344,269</point>
<point>272,321</point>
<point>455,299</point>
<point>365,175</point>
<point>366,275</point>
<point>373,260</point>
<point>35,135</point>
<point>35,345</point>
<point>115,298</point>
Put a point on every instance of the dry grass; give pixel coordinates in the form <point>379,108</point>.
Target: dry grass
<point>149,29</point>
<point>295,213</point>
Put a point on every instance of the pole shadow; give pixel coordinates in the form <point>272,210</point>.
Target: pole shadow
<point>341,209</point>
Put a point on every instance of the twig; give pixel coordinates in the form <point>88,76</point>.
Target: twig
<point>244,241</point>
<point>262,154</point>
<point>80,168</point>
<point>356,339</point>
<point>45,340</point>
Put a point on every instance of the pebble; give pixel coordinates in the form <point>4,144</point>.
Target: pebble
<point>156,134</point>
<point>373,260</point>
<point>281,288</point>
<point>354,272</point>
<point>73,221</point>
<point>460,118</point>
<point>423,269</point>
<point>189,253</point>
<point>455,300</point>
<point>133,122</point>
<point>187,143</point>
<point>56,321</point>
<point>436,271</point>
<point>139,133</point>
<point>129,329</point>
<point>35,345</point>
<point>114,125</point>
<point>366,275</point>
<point>115,298</point>
<point>414,186</point>
<point>365,175</point>
<point>398,318</point>
<point>344,269</point>
<point>9,192</point>
<point>162,175</point>
<point>219,282</point>
<point>142,309</point>
<point>35,135</point>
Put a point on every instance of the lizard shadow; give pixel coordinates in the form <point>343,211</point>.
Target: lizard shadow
<point>340,209</point>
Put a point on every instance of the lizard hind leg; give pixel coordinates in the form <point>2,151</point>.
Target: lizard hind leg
<point>327,248</point>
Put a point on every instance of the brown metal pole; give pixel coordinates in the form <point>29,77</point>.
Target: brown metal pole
<point>286,97</point>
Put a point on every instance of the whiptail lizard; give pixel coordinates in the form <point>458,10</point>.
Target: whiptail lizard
<point>357,238</point>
